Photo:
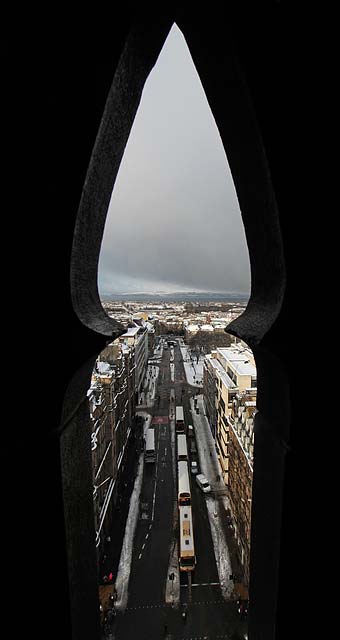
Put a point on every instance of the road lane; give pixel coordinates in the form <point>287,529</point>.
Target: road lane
<point>146,613</point>
<point>154,531</point>
<point>205,575</point>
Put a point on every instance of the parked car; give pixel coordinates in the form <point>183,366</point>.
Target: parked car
<point>203,483</point>
<point>194,467</point>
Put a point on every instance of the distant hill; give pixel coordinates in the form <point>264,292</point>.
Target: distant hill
<point>188,296</point>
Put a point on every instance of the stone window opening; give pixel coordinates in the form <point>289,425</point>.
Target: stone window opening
<point>235,118</point>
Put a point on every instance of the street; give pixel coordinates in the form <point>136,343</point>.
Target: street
<point>150,613</point>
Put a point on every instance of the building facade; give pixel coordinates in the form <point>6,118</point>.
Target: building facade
<point>210,392</point>
<point>103,452</point>
<point>112,402</point>
<point>229,388</point>
<point>240,476</point>
<point>137,338</point>
<point>151,337</point>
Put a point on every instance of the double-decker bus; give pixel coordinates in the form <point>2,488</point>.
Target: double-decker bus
<point>149,450</point>
<point>184,492</point>
<point>182,450</point>
<point>187,558</point>
<point>179,420</point>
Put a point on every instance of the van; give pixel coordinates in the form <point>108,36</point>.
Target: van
<point>203,483</point>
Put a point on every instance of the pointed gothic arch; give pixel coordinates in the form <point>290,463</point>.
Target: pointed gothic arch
<point>220,72</point>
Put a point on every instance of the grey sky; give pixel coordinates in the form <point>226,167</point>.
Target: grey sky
<point>174,221</point>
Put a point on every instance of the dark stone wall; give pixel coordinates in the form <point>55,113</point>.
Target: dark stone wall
<point>79,524</point>
<point>253,65</point>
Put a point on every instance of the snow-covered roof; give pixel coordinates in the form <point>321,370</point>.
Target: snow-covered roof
<point>193,327</point>
<point>103,367</point>
<point>207,327</point>
<point>130,332</point>
<point>239,359</point>
<point>222,374</point>
<point>226,380</point>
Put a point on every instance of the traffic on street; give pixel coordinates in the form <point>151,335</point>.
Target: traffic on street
<point>174,575</point>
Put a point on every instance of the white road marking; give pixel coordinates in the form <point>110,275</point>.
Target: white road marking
<point>203,584</point>
<point>164,605</point>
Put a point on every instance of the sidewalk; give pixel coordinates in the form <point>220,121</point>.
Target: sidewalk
<point>211,467</point>
<point>207,454</point>
<point>147,395</point>
<point>193,370</point>
<point>124,568</point>
<point>218,505</point>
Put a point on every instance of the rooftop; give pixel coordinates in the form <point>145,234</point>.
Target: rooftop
<point>130,332</point>
<point>240,359</point>
<point>103,367</point>
<point>221,372</point>
<point>206,327</point>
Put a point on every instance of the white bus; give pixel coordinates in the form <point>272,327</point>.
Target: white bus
<point>150,451</point>
<point>182,450</point>
<point>179,420</point>
<point>187,558</point>
<point>184,493</point>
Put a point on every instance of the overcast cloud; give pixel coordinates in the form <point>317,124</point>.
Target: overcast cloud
<point>174,221</point>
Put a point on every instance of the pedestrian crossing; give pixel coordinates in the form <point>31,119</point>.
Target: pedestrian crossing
<point>203,584</point>
<point>224,636</point>
<point>166,606</point>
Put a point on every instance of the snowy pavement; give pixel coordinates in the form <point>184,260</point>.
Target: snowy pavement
<point>210,467</point>
<point>207,454</point>
<point>123,573</point>
<point>147,395</point>
<point>193,369</point>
